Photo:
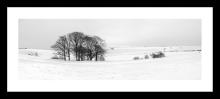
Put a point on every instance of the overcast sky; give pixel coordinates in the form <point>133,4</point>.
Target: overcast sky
<point>42,33</point>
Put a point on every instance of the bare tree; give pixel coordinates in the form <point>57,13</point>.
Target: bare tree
<point>60,46</point>
<point>68,47</point>
<point>94,47</point>
<point>76,40</point>
<point>99,47</point>
<point>89,44</point>
<point>82,46</point>
<point>99,50</point>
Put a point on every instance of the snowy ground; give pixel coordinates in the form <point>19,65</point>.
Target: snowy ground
<point>180,63</point>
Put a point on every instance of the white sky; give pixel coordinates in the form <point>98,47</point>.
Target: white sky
<point>42,33</point>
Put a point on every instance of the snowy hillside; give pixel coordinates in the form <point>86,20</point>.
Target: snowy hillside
<point>180,63</point>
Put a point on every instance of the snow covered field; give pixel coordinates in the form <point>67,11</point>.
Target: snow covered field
<point>180,63</point>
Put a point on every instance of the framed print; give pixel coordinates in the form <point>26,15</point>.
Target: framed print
<point>109,49</point>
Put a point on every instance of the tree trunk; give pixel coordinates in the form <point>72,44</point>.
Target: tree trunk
<point>77,53</point>
<point>90,55</point>
<point>76,56</point>
<point>80,58</point>
<point>64,55</point>
<point>96,56</point>
<point>68,54</point>
<point>90,58</point>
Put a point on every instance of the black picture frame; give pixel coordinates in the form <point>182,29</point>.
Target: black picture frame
<point>111,3</point>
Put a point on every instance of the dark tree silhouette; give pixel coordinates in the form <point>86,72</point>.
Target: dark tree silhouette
<point>76,40</point>
<point>61,46</point>
<point>98,51</point>
<point>68,47</point>
<point>89,44</point>
<point>99,47</point>
<point>82,46</point>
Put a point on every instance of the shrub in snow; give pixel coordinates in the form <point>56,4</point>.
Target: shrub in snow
<point>54,57</point>
<point>101,58</point>
<point>36,54</point>
<point>158,55</point>
<point>33,53</point>
<point>136,58</point>
<point>146,57</point>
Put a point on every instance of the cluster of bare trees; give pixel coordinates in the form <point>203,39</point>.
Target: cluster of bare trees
<point>81,46</point>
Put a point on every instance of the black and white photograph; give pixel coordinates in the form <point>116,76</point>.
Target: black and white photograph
<point>109,49</point>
